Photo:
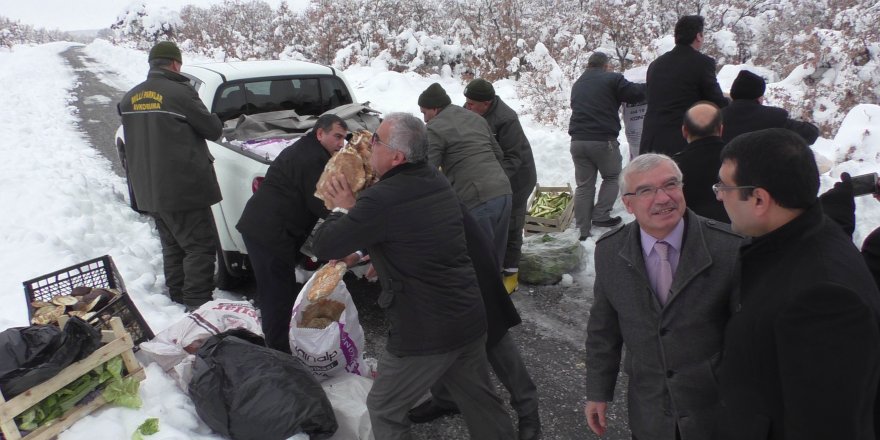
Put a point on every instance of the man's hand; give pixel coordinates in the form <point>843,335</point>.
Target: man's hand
<point>371,274</point>
<point>338,192</point>
<point>351,259</point>
<point>595,412</point>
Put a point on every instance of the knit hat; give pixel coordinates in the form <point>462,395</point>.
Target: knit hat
<point>479,90</point>
<point>434,97</point>
<point>747,85</point>
<point>165,49</point>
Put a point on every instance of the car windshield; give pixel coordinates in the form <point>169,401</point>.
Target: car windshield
<point>305,96</point>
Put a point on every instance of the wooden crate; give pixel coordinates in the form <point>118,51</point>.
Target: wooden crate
<point>560,223</point>
<point>117,343</point>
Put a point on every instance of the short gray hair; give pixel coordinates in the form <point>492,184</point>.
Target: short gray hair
<point>644,163</point>
<point>408,135</point>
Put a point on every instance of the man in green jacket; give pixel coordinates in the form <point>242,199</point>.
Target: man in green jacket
<point>518,164</point>
<point>461,144</point>
<point>172,174</point>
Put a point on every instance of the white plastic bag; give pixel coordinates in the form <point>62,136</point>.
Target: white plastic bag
<point>348,395</point>
<point>332,350</point>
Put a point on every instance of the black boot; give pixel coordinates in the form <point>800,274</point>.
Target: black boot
<point>530,427</point>
<point>428,411</point>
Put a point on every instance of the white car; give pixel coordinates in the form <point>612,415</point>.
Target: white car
<point>266,88</point>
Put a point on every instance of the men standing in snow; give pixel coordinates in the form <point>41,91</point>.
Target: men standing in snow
<point>279,217</point>
<point>594,126</point>
<point>701,158</point>
<point>663,288</point>
<point>802,352</point>
<point>676,80</point>
<point>747,112</point>
<point>171,172</point>
<point>518,164</point>
<point>461,144</point>
<point>411,224</point>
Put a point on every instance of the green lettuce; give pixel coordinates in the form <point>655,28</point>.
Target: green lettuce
<point>149,427</point>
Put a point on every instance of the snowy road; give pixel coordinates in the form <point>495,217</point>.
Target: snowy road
<point>551,336</point>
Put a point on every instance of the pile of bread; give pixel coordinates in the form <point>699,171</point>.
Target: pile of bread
<point>353,162</point>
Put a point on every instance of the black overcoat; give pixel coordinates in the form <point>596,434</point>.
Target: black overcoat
<point>676,80</point>
<point>802,349</point>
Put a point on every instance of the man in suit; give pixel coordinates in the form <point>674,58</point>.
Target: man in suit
<point>701,158</point>
<point>663,288</point>
<point>747,112</point>
<point>676,80</point>
<point>802,351</point>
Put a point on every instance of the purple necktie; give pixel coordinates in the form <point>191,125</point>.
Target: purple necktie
<point>664,275</point>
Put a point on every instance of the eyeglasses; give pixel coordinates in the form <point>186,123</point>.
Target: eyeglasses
<point>649,192</point>
<point>375,140</point>
<point>719,187</point>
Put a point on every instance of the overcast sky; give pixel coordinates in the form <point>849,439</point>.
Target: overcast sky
<point>72,15</point>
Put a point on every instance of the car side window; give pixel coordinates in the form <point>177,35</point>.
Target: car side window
<point>231,103</point>
<point>333,93</point>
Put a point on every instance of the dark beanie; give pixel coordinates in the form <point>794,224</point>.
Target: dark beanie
<point>165,49</point>
<point>434,97</point>
<point>479,90</point>
<point>747,85</point>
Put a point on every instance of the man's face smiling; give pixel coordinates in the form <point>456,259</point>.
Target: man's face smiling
<point>656,214</point>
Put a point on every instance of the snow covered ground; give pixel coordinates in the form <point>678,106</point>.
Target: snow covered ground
<point>63,204</point>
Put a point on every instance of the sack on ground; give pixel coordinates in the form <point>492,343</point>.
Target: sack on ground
<point>334,343</point>
<point>174,347</point>
<point>244,390</point>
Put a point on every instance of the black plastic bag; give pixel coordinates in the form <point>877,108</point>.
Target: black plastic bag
<point>31,355</point>
<point>246,391</point>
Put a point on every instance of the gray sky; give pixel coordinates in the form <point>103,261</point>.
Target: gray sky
<point>72,15</point>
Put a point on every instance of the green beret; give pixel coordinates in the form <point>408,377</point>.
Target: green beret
<point>479,90</point>
<point>434,97</point>
<point>165,49</point>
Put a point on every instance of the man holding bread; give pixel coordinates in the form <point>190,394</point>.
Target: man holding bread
<point>411,224</point>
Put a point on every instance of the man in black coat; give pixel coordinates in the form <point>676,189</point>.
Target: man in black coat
<point>701,158</point>
<point>676,80</point>
<point>279,217</point>
<point>802,350</point>
<point>746,113</point>
<point>501,349</point>
<point>171,172</point>
<point>518,164</point>
<point>411,224</point>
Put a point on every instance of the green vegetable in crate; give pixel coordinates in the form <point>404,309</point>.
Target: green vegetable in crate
<point>549,205</point>
<point>118,390</point>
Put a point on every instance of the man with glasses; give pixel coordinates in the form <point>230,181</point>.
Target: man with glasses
<point>802,352</point>
<point>663,288</point>
<point>411,222</point>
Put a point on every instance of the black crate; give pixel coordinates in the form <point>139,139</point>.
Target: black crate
<point>99,272</point>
